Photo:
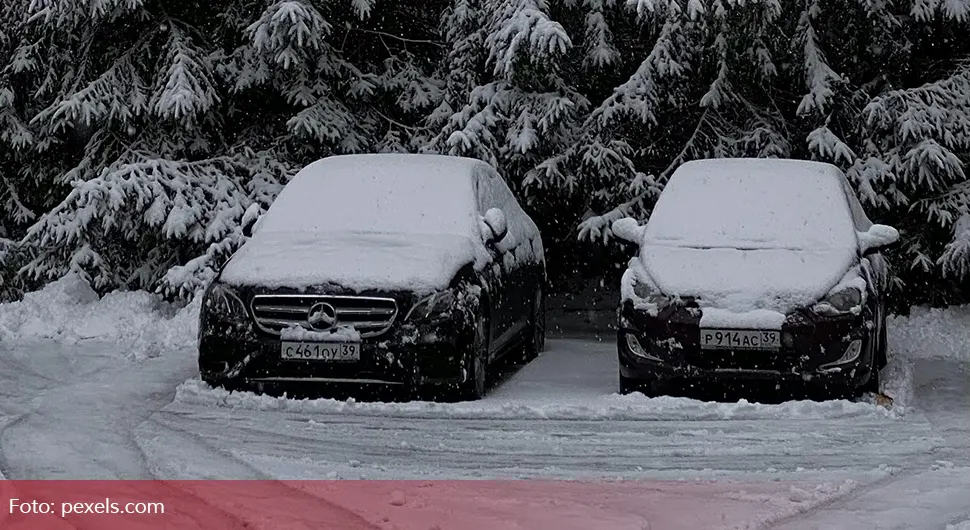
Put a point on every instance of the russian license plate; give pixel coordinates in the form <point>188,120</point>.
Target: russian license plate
<point>321,351</point>
<point>736,339</point>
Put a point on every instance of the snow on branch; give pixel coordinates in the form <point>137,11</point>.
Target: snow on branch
<point>927,128</point>
<point>176,201</point>
<point>363,7</point>
<point>598,226</point>
<point>288,31</point>
<point>601,51</point>
<point>720,89</point>
<point>955,260</point>
<point>639,95</point>
<point>927,10</point>
<point>74,12</point>
<point>326,121</point>
<point>521,28</point>
<point>118,94</point>
<point>13,131</point>
<point>819,75</point>
<point>186,89</point>
<point>830,147</point>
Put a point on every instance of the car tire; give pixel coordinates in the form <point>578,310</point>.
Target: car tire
<point>882,355</point>
<point>629,386</point>
<point>872,385</point>
<point>230,385</point>
<point>473,388</point>
<point>536,339</point>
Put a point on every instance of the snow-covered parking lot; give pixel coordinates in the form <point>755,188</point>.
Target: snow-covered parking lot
<point>108,389</point>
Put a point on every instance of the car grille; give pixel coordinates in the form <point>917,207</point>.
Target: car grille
<point>370,316</point>
<point>741,360</point>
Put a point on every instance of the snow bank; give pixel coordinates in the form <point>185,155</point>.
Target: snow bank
<point>932,334</point>
<point>69,311</point>
<point>604,407</point>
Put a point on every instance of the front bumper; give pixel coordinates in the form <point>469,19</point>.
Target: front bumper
<point>407,354</point>
<point>815,350</point>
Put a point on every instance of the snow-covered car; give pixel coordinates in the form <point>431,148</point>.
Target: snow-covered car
<point>409,270</point>
<point>755,269</point>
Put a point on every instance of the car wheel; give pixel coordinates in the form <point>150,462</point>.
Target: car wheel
<point>473,388</point>
<point>629,386</point>
<point>230,385</point>
<point>872,385</point>
<point>536,341</point>
<point>883,352</point>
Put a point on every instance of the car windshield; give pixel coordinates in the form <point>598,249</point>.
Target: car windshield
<point>752,204</point>
<point>396,196</point>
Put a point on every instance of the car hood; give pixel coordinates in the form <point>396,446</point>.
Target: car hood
<point>417,263</point>
<point>780,280</point>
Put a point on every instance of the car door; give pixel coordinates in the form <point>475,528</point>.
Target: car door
<point>874,267</point>
<point>497,275</point>
<point>520,286</point>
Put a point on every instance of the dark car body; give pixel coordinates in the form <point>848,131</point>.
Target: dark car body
<point>825,335</point>
<point>362,307</point>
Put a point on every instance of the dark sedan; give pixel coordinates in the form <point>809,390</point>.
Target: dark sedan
<point>755,270</point>
<point>415,271</point>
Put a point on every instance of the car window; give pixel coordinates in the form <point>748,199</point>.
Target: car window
<point>752,204</point>
<point>859,217</point>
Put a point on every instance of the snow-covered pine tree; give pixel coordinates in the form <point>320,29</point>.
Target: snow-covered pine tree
<point>506,100</point>
<point>133,117</point>
<point>914,166</point>
<point>704,88</point>
<point>805,79</point>
<point>172,120</point>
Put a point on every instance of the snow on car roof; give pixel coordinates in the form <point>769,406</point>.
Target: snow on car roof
<point>382,193</point>
<point>753,203</point>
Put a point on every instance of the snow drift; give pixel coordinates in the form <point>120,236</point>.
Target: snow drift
<point>69,311</point>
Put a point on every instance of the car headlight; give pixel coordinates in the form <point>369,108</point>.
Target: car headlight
<point>224,303</point>
<point>648,295</point>
<point>437,305</point>
<point>847,300</point>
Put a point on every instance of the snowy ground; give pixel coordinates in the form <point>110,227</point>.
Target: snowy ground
<point>107,389</point>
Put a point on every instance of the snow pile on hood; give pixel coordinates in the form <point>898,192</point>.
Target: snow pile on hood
<point>613,407</point>
<point>69,311</point>
<point>417,262</point>
<point>931,333</point>
<point>714,235</point>
<point>772,279</point>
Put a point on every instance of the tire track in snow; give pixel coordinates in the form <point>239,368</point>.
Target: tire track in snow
<point>939,384</point>
<point>5,466</point>
<point>289,507</point>
<point>77,406</point>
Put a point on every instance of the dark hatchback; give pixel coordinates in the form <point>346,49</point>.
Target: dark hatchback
<point>761,271</point>
<point>413,271</point>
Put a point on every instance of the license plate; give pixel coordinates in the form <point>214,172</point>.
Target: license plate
<point>321,351</point>
<point>734,339</point>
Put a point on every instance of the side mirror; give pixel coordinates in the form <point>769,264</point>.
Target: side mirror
<point>497,224</point>
<point>251,219</point>
<point>628,229</point>
<point>877,238</point>
<point>247,228</point>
